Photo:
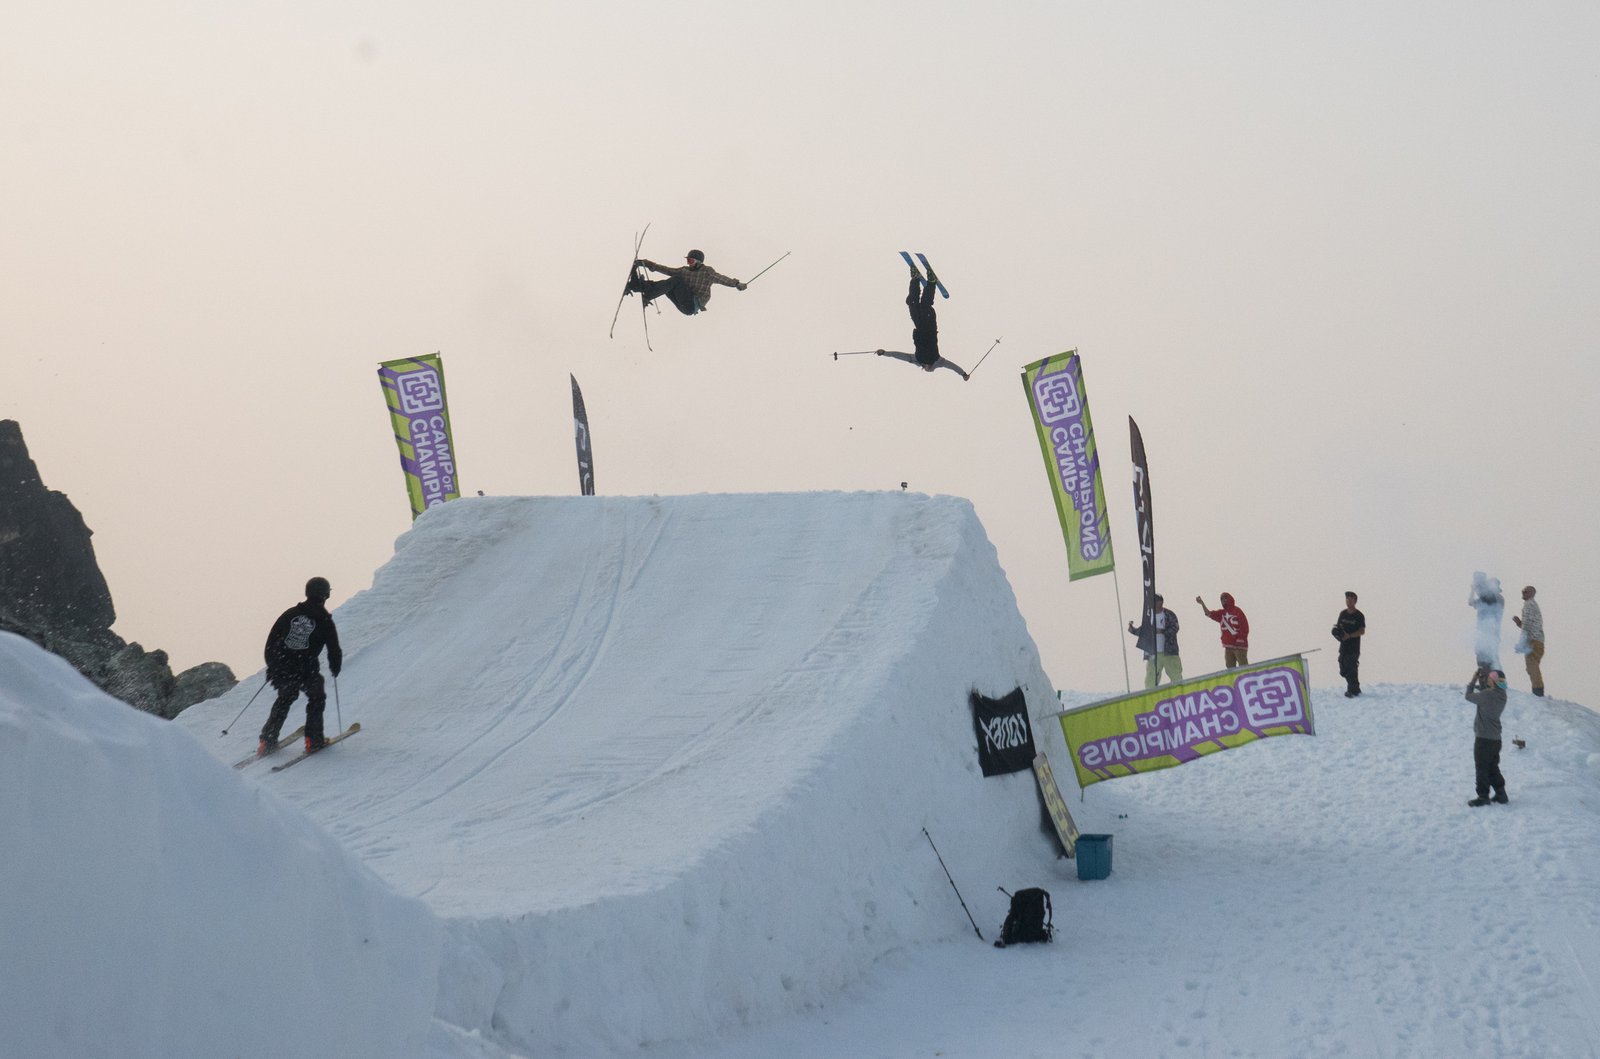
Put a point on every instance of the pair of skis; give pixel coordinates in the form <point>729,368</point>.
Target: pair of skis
<point>927,268</point>
<point>634,272</point>
<point>290,738</point>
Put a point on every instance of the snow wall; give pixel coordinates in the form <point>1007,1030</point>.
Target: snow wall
<point>153,905</point>
<point>664,763</point>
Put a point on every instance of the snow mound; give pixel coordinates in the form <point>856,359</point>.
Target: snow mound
<point>665,763</point>
<point>153,905</point>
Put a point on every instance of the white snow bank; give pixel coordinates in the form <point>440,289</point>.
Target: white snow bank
<point>665,762</point>
<point>153,904</point>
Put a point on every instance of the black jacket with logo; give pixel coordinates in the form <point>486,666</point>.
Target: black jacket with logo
<point>298,637</point>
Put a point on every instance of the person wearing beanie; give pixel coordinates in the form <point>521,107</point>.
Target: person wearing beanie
<point>292,652</point>
<point>1487,691</point>
<point>687,288</point>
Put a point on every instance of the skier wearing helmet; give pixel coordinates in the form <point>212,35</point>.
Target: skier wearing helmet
<point>688,288</point>
<point>293,646</point>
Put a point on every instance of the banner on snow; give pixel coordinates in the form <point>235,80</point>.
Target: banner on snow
<point>1163,727</point>
<point>1060,406</point>
<point>413,388</point>
<point>580,427</point>
<point>1055,805</point>
<point>1005,740</point>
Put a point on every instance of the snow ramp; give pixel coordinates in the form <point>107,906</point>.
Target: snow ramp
<point>663,764</point>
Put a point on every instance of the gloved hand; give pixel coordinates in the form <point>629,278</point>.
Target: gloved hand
<point>743,286</point>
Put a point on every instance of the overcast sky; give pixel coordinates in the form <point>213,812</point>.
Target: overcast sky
<point>1338,261</point>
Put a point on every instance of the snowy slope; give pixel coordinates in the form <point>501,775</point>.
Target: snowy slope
<point>613,740</point>
<point>151,905</point>
<point>662,767</point>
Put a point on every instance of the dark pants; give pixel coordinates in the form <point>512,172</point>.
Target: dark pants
<point>676,290</point>
<point>289,688</point>
<point>1350,669</point>
<point>924,321</point>
<point>1486,763</point>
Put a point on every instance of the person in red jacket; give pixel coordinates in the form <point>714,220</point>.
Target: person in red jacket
<point>1235,631</point>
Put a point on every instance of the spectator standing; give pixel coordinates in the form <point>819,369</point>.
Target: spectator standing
<point>1348,628</point>
<point>1235,631</point>
<point>1532,646</point>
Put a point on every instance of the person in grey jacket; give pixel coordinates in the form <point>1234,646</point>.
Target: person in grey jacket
<point>1487,691</point>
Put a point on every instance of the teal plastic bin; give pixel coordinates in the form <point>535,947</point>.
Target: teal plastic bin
<point>1094,856</point>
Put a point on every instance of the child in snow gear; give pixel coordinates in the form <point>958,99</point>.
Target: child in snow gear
<point>1029,918</point>
<point>293,646</point>
<point>1487,691</point>
<point>924,327</point>
<point>688,288</point>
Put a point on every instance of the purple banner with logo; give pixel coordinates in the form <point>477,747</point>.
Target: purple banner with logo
<point>1174,724</point>
<point>1060,405</point>
<point>413,388</point>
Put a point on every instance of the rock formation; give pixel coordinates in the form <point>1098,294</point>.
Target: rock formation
<point>52,592</point>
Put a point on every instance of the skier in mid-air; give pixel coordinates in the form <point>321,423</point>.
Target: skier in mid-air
<point>687,288</point>
<point>924,328</point>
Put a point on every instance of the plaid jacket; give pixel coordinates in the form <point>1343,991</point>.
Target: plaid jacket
<point>698,277</point>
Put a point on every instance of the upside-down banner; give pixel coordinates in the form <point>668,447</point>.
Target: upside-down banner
<point>1060,406</point>
<point>1167,726</point>
<point>414,390</point>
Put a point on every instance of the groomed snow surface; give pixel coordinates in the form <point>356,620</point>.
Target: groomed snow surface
<point>650,776</point>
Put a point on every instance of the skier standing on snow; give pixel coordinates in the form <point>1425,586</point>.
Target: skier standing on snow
<point>688,288</point>
<point>1235,631</point>
<point>1159,642</point>
<point>924,328</point>
<point>1348,628</point>
<point>293,646</point>
<point>1487,691</point>
<point>1532,644</point>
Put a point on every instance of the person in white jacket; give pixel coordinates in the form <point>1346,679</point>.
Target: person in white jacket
<point>1532,646</point>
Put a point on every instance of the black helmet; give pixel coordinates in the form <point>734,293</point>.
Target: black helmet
<point>696,255</point>
<point>318,589</point>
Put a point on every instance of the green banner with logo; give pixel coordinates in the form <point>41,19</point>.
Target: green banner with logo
<point>1167,726</point>
<point>1060,406</point>
<point>413,388</point>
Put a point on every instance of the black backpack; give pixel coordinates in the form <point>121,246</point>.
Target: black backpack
<point>1029,918</point>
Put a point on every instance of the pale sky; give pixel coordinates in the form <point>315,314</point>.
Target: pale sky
<point>1338,261</point>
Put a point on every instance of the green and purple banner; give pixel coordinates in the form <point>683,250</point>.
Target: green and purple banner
<point>1060,407</point>
<point>414,390</point>
<point>1163,727</point>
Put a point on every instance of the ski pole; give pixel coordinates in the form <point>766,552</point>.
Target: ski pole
<point>763,272</point>
<point>247,705</point>
<point>338,714</point>
<point>854,353</point>
<point>964,908</point>
<point>983,358</point>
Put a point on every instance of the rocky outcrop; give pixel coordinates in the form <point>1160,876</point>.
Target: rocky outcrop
<point>53,593</point>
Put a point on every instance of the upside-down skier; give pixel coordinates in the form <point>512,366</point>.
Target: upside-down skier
<point>924,327</point>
